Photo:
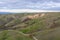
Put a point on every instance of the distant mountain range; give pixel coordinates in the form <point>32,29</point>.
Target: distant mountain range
<point>5,13</point>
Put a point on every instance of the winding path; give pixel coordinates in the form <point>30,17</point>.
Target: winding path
<point>24,34</point>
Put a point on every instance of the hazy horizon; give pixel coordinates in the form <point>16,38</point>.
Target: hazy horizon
<point>25,10</point>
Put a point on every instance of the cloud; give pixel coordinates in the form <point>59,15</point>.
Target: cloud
<point>45,5</point>
<point>30,4</point>
<point>1,2</point>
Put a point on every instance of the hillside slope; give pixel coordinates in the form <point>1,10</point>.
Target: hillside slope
<point>26,26</point>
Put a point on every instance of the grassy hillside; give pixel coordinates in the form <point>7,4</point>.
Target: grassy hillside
<point>26,26</point>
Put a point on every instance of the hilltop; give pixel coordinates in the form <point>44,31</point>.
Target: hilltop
<point>30,26</point>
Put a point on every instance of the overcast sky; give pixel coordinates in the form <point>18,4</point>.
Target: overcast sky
<point>30,4</point>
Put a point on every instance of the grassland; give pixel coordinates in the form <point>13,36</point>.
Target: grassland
<point>21,27</point>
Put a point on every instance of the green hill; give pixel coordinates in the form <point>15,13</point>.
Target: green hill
<point>30,26</point>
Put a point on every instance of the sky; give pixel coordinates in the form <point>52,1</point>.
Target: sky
<point>30,4</point>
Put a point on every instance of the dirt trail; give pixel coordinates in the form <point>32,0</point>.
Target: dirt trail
<point>28,35</point>
<point>35,38</point>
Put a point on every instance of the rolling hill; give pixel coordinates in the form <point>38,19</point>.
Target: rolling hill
<point>30,26</point>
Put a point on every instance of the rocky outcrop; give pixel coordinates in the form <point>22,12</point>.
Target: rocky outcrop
<point>29,17</point>
<point>24,19</point>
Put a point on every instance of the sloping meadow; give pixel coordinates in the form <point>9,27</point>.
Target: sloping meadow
<point>22,27</point>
